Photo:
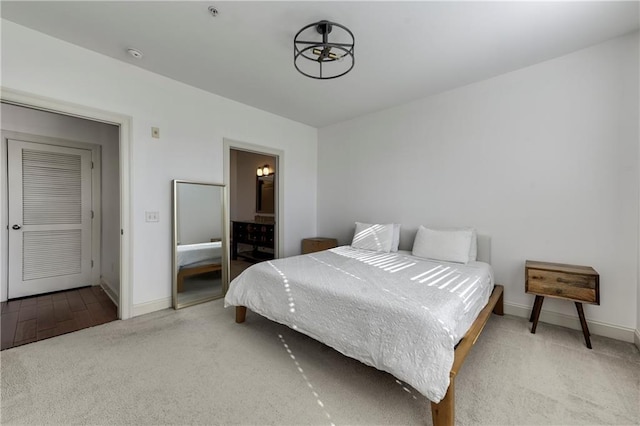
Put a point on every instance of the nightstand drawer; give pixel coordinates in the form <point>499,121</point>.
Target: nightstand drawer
<point>573,285</point>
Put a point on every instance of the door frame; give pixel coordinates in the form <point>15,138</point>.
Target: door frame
<point>96,193</point>
<point>228,145</point>
<point>124,122</point>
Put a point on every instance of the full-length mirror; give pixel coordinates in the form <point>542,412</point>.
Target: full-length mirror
<point>200,258</point>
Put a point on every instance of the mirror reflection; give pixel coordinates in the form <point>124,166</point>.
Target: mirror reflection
<point>200,259</point>
<point>265,194</point>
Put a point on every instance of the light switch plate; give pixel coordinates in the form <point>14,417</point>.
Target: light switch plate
<point>152,217</point>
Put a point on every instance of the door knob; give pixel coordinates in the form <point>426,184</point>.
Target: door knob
<point>16,227</point>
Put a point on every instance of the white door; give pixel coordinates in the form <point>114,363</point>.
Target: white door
<point>49,218</point>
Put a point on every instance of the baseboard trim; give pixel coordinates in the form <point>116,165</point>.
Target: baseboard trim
<point>148,307</point>
<point>107,289</point>
<point>595,327</point>
<point>636,338</point>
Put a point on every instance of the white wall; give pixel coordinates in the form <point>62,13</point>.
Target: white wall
<point>192,126</point>
<point>35,122</point>
<point>543,159</point>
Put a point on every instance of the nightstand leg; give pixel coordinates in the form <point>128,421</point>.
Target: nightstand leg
<point>533,310</point>
<point>535,315</point>
<point>583,322</point>
<point>535,306</point>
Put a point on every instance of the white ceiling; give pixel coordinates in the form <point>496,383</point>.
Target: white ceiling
<point>403,50</point>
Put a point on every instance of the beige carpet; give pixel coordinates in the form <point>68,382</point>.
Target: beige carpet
<point>196,366</point>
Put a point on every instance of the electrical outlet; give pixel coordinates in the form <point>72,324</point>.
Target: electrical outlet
<point>155,132</point>
<point>152,217</point>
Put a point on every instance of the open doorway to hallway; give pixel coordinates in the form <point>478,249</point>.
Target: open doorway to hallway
<point>253,208</point>
<point>61,205</point>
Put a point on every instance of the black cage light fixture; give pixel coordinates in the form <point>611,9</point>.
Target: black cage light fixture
<point>317,57</point>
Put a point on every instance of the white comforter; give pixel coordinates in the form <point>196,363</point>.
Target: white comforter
<point>393,311</point>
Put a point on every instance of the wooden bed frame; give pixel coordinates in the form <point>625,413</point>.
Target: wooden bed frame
<point>443,413</point>
<point>196,270</point>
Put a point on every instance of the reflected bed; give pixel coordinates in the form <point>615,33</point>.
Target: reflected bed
<point>196,259</point>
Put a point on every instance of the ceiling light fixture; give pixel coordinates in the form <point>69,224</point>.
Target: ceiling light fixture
<point>135,53</point>
<point>213,11</point>
<point>327,59</point>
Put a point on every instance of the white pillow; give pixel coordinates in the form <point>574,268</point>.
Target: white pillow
<point>374,237</point>
<point>396,237</point>
<point>473,250</point>
<point>449,245</point>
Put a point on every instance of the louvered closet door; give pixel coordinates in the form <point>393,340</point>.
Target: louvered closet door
<point>49,218</point>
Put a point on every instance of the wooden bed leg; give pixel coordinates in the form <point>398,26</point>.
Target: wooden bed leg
<point>241,314</point>
<point>499,308</point>
<point>443,413</point>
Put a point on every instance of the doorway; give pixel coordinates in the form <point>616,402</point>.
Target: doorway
<point>58,236</point>
<point>108,291</point>
<point>254,178</point>
<point>122,212</point>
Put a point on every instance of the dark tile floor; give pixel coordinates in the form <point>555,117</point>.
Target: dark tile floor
<point>36,318</point>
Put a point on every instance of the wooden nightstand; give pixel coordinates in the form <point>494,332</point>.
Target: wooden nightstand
<point>571,282</point>
<point>311,245</point>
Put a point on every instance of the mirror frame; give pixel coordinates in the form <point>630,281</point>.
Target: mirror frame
<point>174,241</point>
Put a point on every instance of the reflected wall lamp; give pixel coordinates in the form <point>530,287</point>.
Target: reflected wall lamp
<point>317,57</point>
<point>263,171</point>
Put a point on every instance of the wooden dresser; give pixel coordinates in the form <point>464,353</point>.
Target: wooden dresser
<point>258,235</point>
<point>311,245</point>
<point>570,282</point>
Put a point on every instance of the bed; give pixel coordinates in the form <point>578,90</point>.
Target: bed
<point>409,316</point>
<point>196,259</point>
